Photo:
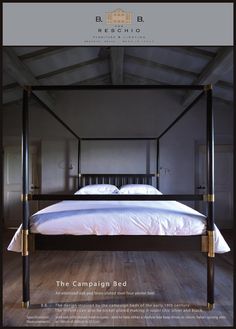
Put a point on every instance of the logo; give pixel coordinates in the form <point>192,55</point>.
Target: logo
<point>118,26</point>
<point>119,16</point>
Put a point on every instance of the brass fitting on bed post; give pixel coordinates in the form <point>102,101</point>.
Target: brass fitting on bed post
<point>208,243</point>
<point>210,306</point>
<point>26,197</point>
<point>23,197</point>
<point>209,197</point>
<point>25,242</point>
<point>211,243</point>
<point>208,87</point>
<point>25,304</point>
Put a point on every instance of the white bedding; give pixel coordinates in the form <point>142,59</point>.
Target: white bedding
<point>118,218</point>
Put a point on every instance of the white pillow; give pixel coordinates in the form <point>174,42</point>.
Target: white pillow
<point>138,189</point>
<point>98,189</point>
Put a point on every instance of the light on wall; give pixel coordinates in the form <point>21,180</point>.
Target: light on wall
<point>64,165</point>
<point>164,170</point>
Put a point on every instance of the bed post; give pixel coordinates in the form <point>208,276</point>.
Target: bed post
<point>79,173</point>
<point>24,198</point>
<point>210,198</point>
<point>157,163</point>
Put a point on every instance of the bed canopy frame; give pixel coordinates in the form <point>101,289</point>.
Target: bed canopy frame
<point>204,243</point>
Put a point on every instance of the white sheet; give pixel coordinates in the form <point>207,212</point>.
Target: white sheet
<point>118,218</point>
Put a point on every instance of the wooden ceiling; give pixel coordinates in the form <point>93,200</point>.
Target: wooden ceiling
<point>117,66</point>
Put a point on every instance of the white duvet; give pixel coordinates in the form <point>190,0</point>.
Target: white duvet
<point>118,218</point>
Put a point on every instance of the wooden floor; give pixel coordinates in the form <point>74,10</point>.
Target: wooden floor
<point>163,289</point>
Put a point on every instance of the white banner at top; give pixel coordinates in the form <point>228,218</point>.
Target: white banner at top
<point>118,24</point>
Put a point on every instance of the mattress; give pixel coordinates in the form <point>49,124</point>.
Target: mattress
<point>118,218</point>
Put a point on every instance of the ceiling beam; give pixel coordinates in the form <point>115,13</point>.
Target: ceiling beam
<point>117,65</point>
<point>41,53</point>
<point>104,79</point>
<point>70,68</point>
<point>192,51</point>
<point>23,76</point>
<point>62,70</point>
<point>220,64</point>
<point>172,70</point>
<point>11,91</point>
<point>164,67</point>
<point>140,80</point>
<point>146,81</point>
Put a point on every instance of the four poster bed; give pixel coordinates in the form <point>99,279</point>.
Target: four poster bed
<point>148,236</point>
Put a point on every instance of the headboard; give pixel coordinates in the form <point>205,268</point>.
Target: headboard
<point>115,179</point>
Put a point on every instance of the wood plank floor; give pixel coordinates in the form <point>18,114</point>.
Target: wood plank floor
<point>163,289</point>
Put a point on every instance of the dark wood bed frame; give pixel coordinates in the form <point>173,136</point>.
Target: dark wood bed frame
<point>204,243</point>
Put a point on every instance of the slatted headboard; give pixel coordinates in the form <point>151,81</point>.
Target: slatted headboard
<point>115,179</point>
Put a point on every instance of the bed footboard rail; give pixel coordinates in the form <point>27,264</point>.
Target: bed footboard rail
<point>119,197</point>
<point>121,242</point>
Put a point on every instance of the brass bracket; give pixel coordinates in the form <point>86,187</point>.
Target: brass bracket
<point>25,304</point>
<point>209,197</point>
<point>208,243</point>
<point>79,175</point>
<point>208,87</point>
<point>157,174</point>
<point>210,306</point>
<point>211,243</point>
<point>26,197</point>
<point>25,242</point>
<point>204,247</point>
